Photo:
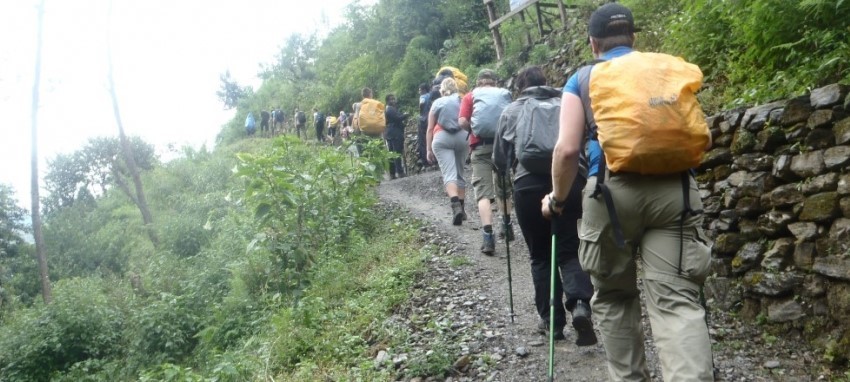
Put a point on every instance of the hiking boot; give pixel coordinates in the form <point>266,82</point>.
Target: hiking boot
<point>507,232</point>
<point>583,325</point>
<point>457,213</point>
<point>543,328</point>
<point>488,247</point>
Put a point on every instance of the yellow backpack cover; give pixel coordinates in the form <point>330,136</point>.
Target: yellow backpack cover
<point>647,115</point>
<point>371,118</point>
<point>460,78</point>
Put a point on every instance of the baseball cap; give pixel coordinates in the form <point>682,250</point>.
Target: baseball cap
<point>488,74</point>
<point>611,19</point>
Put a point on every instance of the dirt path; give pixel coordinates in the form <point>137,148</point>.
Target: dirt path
<point>422,195</point>
<point>471,290</point>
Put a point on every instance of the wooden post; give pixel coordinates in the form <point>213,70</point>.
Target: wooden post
<point>497,37</point>
<point>539,20</point>
<point>563,11</point>
<point>525,27</point>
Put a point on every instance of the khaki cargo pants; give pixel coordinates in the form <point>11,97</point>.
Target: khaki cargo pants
<point>649,209</point>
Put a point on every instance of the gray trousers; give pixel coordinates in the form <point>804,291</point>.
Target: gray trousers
<point>649,209</point>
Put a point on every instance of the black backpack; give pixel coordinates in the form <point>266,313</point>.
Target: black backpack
<point>302,119</point>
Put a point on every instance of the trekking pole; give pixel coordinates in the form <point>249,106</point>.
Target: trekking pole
<point>552,307</point>
<point>505,222</point>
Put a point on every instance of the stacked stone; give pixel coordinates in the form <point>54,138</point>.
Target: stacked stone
<point>776,189</point>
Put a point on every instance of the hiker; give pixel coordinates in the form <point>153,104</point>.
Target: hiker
<point>447,146</point>
<point>319,124</point>
<point>479,113</point>
<point>300,123</point>
<point>422,123</point>
<point>331,123</point>
<point>530,185</point>
<point>278,121</point>
<point>370,118</point>
<point>250,124</point>
<point>655,216</point>
<point>394,135</point>
<point>264,122</point>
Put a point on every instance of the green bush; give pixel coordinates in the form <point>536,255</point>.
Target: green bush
<point>82,324</point>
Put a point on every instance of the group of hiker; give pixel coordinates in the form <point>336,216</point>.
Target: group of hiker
<point>600,175</point>
<point>274,122</point>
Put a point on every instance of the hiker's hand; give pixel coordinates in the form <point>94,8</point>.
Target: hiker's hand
<point>548,208</point>
<point>431,157</point>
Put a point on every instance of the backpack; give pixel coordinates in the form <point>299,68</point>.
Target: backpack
<point>278,116</point>
<point>487,105</point>
<point>536,134</point>
<point>301,118</point>
<point>644,112</point>
<point>371,117</point>
<point>460,79</point>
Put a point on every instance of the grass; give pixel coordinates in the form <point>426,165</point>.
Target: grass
<point>344,317</point>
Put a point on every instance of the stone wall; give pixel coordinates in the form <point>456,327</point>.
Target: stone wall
<point>776,193</point>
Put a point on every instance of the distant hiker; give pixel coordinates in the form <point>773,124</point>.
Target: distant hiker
<point>447,146</point>
<point>479,113</point>
<point>250,124</point>
<point>264,122</point>
<point>394,135</point>
<point>422,124</point>
<point>278,120</point>
<point>647,204</point>
<point>300,123</point>
<point>532,184</point>
<point>319,123</point>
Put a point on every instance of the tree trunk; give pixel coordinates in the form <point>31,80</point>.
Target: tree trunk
<point>46,291</point>
<point>127,151</point>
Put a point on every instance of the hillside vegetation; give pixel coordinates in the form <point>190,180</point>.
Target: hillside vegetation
<point>274,261</point>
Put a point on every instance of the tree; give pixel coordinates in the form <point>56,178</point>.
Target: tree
<point>46,292</point>
<point>127,151</point>
<point>230,92</point>
<point>93,170</point>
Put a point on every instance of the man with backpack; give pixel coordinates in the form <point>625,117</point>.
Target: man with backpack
<point>319,121</point>
<point>394,135</point>
<point>300,123</point>
<point>526,136</point>
<point>278,121</point>
<point>479,113</point>
<point>264,122</point>
<point>645,132</point>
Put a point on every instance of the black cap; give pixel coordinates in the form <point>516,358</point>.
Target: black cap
<point>611,19</point>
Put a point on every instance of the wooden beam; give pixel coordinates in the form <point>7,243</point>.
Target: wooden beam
<point>512,13</point>
<point>497,36</point>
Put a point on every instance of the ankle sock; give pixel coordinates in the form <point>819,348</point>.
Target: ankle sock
<point>455,199</point>
<point>488,228</point>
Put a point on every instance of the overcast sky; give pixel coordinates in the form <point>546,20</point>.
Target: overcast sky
<point>167,55</point>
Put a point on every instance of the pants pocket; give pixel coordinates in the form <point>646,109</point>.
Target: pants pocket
<point>697,256</point>
<point>589,252</point>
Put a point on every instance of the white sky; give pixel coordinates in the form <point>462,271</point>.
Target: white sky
<point>167,57</point>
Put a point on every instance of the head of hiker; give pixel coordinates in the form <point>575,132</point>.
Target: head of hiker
<point>448,86</point>
<point>487,77</point>
<point>528,77</point>
<point>610,26</point>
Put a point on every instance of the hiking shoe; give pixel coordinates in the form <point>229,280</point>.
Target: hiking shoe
<point>583,325</point>
<point>488,247</point>
<point>543,328</point>
<point>457,213</point>
<point>507,232</point>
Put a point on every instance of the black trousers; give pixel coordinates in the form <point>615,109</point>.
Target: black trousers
<point>570,279</point>
<point>396,145</point>
<point>420,140</point>
<point>319,136</point>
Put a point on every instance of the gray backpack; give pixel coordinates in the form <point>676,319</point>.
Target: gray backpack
<point>536,135</point>
<point>487,105</point>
